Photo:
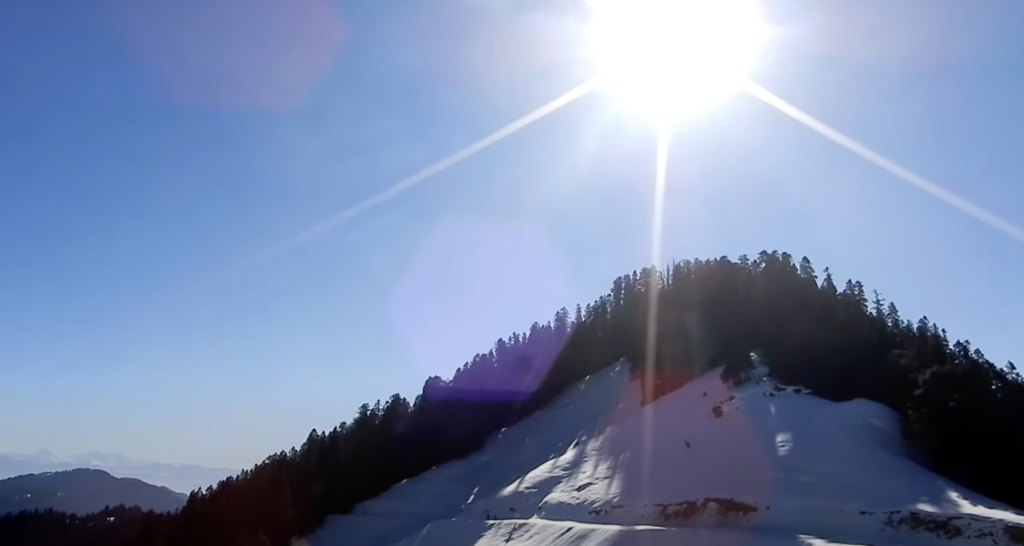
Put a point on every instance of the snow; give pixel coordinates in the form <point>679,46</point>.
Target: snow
<point>706,464</point>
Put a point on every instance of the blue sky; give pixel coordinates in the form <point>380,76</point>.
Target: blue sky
<point>151,149</point>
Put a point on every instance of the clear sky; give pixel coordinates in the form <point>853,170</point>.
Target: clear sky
<point>149,150</point>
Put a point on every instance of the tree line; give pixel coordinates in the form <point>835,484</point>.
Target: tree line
<point>959,410</point>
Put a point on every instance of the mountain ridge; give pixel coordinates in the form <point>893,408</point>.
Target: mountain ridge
<point>178,477</point>
<point>84,491</point>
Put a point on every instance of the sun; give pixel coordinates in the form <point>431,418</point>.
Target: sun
<point>671,58</point>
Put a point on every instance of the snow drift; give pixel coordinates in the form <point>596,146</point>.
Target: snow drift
<point>706,464</point>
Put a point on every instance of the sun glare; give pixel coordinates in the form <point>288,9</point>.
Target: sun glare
<point>671,58</point>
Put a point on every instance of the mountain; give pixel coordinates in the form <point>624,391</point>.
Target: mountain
<point>546,434</point>
<point>709,463</point>
<point>179,477</point>
<point>83,491</point>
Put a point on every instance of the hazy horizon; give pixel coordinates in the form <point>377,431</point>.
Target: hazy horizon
<point>182,478</point>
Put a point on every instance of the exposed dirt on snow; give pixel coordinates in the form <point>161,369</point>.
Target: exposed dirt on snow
<point>1014,534</point>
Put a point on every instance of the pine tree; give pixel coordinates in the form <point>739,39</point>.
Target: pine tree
<point>561,322</point>
<point>859,295</point>
<point>892,317</point>
<point>878,305</point>
<point>1012,373</point>
<point>807,270</point>
<point>828,286</point>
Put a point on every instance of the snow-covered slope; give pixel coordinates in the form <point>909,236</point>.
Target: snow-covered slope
<point>706,464</point>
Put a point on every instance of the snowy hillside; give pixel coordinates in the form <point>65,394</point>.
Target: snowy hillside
<point>706,464</point>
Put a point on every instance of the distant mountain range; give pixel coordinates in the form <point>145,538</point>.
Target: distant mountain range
<point>84,491</point>
<point>179,477</point>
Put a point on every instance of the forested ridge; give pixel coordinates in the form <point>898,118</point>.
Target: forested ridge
<point>961,413</point>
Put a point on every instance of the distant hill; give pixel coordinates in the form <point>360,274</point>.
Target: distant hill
<point>83,491</point>
<point>179,477</point>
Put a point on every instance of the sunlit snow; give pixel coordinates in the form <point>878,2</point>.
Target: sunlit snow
<point>775,465</point>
